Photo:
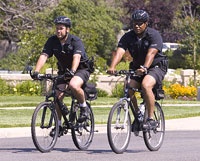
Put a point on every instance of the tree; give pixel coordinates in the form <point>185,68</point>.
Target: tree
<point>17,15</point>
<point>161,15</point>
<point>189,25</point>
<point>96,25</point>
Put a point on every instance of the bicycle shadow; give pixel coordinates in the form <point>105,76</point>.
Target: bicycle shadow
<point>96,151</point>
<point>66,150</point>
<point>18,150</point>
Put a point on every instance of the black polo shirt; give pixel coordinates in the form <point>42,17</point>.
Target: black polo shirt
<point>64,52</point>
<point>138,48</point>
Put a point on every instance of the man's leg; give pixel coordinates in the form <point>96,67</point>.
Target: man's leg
<point>147,85</point>
<point>134,84</point>
<point>60,96</point>
<point>76,86</point>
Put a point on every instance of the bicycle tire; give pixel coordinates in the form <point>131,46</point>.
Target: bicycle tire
<point>154,138</point>
<point>118,134</point>
<point>44,119</point>
<point>83,133</point>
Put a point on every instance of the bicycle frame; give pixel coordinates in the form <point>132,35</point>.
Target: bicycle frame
<point>126,94</point>
<point>119,125</point>
<point>46,116</point>
<point>57,101</point>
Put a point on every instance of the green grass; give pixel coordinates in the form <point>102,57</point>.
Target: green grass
<point>28,101</point>
<point>181,111</point>
<point>20,101</point>
<point>16,117</point>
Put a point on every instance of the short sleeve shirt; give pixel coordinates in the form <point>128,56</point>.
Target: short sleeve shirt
<point>64,52</point>
<point>138,48</point>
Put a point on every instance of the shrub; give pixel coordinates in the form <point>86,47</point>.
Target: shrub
<point>178,91</point>
<point>5,88</point>
<point>102,93</point>
<point>28,88</point>
<point>118,91</point>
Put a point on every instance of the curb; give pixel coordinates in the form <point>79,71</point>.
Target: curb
<point>184,124</point>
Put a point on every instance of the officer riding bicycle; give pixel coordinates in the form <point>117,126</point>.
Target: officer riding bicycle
<point>70,53</point>
<point>145,46</point>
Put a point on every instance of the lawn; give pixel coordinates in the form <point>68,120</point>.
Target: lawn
<point>17,116</point>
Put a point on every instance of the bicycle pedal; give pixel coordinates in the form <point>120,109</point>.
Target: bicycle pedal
<point>65,131</point>
<point>96,131</point>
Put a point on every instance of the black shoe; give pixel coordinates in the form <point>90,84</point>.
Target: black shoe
<point>150,124</point>
<point>83,114</point>
<point>136,127</point>
<point>60,133</point>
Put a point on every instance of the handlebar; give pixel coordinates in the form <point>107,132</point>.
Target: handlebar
<point>124,72</point>
<point>47,76</point>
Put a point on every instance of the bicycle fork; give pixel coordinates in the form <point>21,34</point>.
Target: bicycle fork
<point>44,117</point>
<point>124,103</point>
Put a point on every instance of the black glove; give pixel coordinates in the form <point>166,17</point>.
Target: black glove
<point>69,74</point>
<point>35,76</point>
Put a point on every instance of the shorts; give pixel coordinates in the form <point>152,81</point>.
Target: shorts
<point>84,74</point>
<point>156,72</point>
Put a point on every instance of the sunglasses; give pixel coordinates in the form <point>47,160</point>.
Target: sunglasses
<point>138,23</point>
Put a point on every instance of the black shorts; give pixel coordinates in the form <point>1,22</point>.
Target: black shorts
<point>84,74</point>
<point>156,72</point>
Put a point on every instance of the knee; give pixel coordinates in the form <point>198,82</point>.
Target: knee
<point>146,86</point>
<point>74,86</point>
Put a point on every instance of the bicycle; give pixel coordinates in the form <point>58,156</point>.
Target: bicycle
<point>119,125</point>
<point>45,118</point>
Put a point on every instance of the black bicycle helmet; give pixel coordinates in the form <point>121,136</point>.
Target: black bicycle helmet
<point>140,15</point>
<point>63,20</point>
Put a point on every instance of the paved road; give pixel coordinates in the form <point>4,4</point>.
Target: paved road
<point>181,143</point>
<point>177,146</point>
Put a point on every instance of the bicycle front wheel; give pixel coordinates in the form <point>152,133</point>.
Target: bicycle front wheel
<point>154,138</point>
<point>44,121</point>
<point>82,133</point>
<point>119,127</point>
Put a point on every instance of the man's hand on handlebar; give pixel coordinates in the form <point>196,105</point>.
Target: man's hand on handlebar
<point>111,71</point>
<point>35,75</point>
<point>69,74</point>
<point>141,71</point>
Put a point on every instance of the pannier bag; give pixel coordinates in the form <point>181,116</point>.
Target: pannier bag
<point>159,94</point>
<point>90,91</point>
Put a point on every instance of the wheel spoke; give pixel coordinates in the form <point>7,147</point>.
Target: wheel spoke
<point>118,128</point>
<point>154,138</point>
<point>44,120</point>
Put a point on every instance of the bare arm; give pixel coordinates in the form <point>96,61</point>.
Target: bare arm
<point>150,57</point>
<point>76,61</point>
<point>116,59</point>
<point>148,60</point>
<point>41,61</point>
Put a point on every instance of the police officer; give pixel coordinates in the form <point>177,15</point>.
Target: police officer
<point>145,46</point>
<point>70,53</point>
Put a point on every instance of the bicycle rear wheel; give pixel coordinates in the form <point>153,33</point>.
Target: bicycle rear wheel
<point>119,127</point>
<point>154,138</point>
<point>44,120</point>
<point>82,133</point>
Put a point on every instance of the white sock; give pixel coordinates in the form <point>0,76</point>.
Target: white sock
<point>84,104</point>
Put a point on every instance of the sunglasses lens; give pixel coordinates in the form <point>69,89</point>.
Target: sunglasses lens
<point>138,23</point>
